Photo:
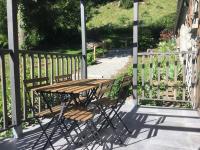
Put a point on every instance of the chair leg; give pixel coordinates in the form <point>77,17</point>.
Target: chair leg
<point>98,135</point>
<point>68,132</point>
<point>52,133</point>
<point>42,132</point>
<point>111,125</point>
<point>102,125</point>
<point>48,138</point>
<point>63,133</point>
<point>123,123</point>
<point>80,136</point>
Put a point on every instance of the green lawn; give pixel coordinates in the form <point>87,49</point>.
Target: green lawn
<point>151,12</point>
<point>113,24</point>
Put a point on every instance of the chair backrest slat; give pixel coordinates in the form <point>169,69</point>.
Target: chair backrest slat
<point>36,86</point>
<point>61,78</point>
<point>36,80</point>
<point>35,83</point>
<point>124,87</point>
<point>30,97</point>
<point>105,88</point>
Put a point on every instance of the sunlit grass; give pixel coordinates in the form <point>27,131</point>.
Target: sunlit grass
<point>151,12</point>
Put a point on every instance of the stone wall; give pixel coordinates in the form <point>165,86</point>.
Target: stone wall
<point>198,62</point>
<point>187,40</point>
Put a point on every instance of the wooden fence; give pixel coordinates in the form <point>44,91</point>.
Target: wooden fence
<point>32,64</point>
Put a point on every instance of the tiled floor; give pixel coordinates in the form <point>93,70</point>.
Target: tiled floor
<point>153,129</point>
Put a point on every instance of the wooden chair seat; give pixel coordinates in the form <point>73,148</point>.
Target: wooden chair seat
<point>47,112</point>
<point>78,114</point>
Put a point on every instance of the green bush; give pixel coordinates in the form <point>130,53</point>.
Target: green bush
<point>3,24</point>
<point>3,41</point>
<point>90,56</point>
<point>126,3</point>
<point>49,22</point>
<point>146,39</point>
<point>32,39</point>
<point>3,20</point>
<point>90,59</point>
<point>165,46</point>
<point>167,22</point>
<point>116,85</point>
<point>123,20</point>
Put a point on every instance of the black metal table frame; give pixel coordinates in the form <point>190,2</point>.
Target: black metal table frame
<point>64,98</point>
<point>55,117</point>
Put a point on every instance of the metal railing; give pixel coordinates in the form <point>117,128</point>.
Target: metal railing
<point>5,101</point>
<point>162,76</point>
<point>31,64</point>
<point>167,76</point>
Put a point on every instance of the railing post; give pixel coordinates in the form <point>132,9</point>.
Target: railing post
<point>14,66</point>
<point>135,49</point>
<point>83,37</point>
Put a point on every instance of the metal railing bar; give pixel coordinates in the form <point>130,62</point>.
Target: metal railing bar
<point>5,51</point>
<point>167,100</point>
<point>167,53</point>
<point>47,53</point>
<point>23,86</point>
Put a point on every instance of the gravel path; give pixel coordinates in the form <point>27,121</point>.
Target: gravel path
<point>110,65</point>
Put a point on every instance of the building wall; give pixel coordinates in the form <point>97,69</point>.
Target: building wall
<point>187,40</point>
<point>198,62</point>
<point>188,27</point>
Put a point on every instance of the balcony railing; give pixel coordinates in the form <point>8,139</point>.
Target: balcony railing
<point>162,76</point>
<point>167,76</point>
<point>32,64</point>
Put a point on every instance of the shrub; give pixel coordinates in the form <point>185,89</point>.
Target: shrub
<point>165,46</point>
<point>90,59</point>
<point>32,39</point>
<point>146,40</point>
<point>126,3</point>
<point>167,22</point>
<point>3,18</point>
<point>3,41</point>
<point>123,19</point>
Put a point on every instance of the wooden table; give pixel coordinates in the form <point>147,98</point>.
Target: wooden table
<point>72,88</point>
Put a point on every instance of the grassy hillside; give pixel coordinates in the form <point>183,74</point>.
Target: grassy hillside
<point>112,23</point>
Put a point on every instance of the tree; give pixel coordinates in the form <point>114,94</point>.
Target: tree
<point>49,21</point>
<point>3,24</point>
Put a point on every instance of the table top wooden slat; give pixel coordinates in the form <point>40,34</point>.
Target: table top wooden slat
<point>57,85</point>
<point>75,87</point>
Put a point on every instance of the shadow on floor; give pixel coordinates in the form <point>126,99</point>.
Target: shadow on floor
<point>140,123</point>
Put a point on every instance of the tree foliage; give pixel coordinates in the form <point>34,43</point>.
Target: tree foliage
<point>3,21</point>
<point>3,24</point>
<point>49,21</point>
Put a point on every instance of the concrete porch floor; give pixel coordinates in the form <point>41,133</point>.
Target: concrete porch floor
<point>153,129</point>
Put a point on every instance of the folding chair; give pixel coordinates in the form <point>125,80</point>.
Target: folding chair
<point>114,105</point>
<point>80,115</point>
<point>104,89</point>
<point>50,112</point>
<point>62,78</point>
